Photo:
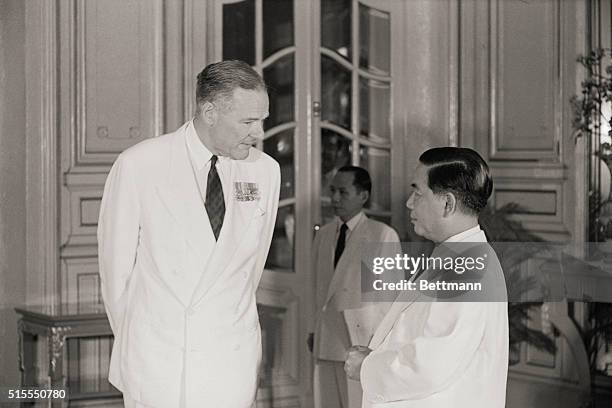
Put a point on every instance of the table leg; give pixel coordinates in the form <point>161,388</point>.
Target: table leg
<point>57,339</point>
<point>21,351</point>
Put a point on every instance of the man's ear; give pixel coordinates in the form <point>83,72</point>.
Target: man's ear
<point>209,113</point>
<point>365,196</point>
<point>450,204</point>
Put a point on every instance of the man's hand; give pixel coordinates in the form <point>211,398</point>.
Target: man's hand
<point>354,359</point>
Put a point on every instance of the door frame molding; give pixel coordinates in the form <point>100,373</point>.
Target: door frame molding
<point>42,129</point>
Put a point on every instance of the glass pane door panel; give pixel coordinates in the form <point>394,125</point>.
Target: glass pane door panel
<point>281,255</point>
<point>281,147</point>
<point>239,31</point>
<point>336,26</point>
<point>375,109</point>
<point>378,163</point>
<point>335,93</point>
<point>277,25</point>
<point>335,153</point>
<point>281,88</point>
<point>272,22</point>
<point>374,40</point>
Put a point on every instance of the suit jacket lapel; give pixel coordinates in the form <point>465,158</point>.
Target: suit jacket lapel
<point>237,219</point>
<point>180,194</point>
<point>403,302</point>
<point>325,264</point>
<point>407,298</point>
<point>345,262</point>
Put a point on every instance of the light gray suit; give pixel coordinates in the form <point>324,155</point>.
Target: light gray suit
<point>343,319</point>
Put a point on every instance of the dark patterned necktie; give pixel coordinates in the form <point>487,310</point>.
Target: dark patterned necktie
<point>215,204</point>
<point>340,244</point>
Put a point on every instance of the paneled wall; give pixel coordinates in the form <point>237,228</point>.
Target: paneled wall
<point>102,76</point>
<point>518,72</point>
<point>518,62</point>
<point>111,76</point>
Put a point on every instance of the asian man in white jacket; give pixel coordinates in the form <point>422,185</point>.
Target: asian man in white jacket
<point>429,353</point>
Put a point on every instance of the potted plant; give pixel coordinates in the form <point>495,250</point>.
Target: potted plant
<point>591,114</point>
<point>592,120</point>
<point>501,228</point>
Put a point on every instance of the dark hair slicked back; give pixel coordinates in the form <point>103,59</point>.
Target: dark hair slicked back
<point>460,171</point>
<point>220,79</point>
<point>361,177</point>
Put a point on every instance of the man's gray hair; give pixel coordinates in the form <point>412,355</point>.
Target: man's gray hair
<point>217,81</point>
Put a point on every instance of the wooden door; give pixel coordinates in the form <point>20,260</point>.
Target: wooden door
<point>358,119</point>
<point>330,72</point>
<point>273,37</point>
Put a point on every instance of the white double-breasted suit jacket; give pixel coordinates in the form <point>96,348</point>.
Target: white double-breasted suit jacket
<point>185,320</point>
<point>434,354</point>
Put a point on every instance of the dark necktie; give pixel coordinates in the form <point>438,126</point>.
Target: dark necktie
<point>215,205</point>
<point>340,244</point>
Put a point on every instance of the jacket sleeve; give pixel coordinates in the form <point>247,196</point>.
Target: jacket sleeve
<point>430,362</point>
<point>362,322</point>
<point>118,233</point>
<point>269,222</point>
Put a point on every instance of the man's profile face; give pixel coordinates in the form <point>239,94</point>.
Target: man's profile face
<point>346,200</point>
<point>426,208</point>
<point>239,125</point>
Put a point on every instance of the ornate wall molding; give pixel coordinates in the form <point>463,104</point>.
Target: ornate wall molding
<point>42,152</point>
<point>100,132</point>
<point>525,77</point>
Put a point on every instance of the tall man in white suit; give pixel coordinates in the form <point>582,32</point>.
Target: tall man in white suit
<point>184,231</point>
<point>436,354</point>
<point>343,319</point>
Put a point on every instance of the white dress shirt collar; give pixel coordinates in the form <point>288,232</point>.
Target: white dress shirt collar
<point>199,153</point>
<point>352,223</point>
<point>466,235</point>
<point>200,156</point>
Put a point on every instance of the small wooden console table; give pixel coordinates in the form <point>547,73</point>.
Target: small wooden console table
<point>67,321</point>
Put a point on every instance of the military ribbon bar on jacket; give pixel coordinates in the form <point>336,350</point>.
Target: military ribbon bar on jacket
<point>244,191</point>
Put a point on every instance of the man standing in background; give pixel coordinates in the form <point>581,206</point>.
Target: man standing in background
<point>185,227</point>
<point>343,319</point>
